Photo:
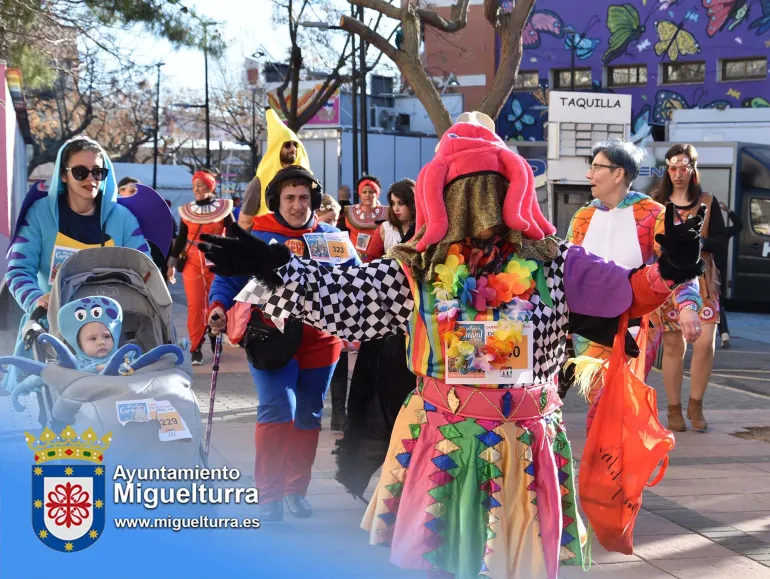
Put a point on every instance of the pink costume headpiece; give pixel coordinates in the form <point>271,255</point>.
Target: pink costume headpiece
<point>467,148</point>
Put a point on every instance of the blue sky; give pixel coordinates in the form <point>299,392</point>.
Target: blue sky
<point>246,25</point>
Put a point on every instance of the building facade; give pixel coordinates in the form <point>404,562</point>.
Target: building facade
<point>667,54</point>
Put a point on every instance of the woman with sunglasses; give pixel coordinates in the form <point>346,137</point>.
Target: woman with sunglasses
<point>681,186</point>
<point>79,211</point>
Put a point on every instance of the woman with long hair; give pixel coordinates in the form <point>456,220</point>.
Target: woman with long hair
<point>381,379</point>
<point>681,185</point>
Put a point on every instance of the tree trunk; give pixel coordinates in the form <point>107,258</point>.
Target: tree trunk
<point>425,91</point>
<point>509,27</point>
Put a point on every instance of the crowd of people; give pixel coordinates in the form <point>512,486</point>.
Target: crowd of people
<point>445,279</point>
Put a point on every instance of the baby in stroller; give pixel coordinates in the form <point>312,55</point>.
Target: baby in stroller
<point>100,352</point>
<point>89,326</point>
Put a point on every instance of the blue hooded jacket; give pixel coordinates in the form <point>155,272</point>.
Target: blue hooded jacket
<point>30,257</point>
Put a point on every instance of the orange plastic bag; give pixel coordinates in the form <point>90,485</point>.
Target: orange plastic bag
<point>624,446</point>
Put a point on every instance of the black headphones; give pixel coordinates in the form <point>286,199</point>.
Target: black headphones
<point>273,197</point>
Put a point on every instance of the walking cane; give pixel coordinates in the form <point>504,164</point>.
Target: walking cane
<point>212,394</point>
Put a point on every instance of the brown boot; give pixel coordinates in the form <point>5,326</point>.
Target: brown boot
<point>695,415</point>
<point>675,418</point>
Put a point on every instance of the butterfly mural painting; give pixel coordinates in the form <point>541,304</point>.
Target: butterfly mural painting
<point>668,101</point>
<point>762,24</point>
<point>719,12</point>
<point>541,22</point>
<point>625,28</point>
<point>756,103</point>
<point>519,118</point>
<point>674,40</point>
<point>582,45</point>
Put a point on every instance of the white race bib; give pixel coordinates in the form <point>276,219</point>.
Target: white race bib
<point>329,247</point>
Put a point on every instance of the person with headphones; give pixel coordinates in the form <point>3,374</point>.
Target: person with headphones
<point>291,367</point>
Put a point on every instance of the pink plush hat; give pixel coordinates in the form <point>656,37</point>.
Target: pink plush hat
<point>471,147</point>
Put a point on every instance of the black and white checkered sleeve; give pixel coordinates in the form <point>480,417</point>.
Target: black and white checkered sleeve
<point>355,303</point>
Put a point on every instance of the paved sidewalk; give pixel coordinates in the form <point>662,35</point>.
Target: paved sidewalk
<point>708,519</point>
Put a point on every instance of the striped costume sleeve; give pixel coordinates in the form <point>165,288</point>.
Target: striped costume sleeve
<point>24,263</point>
<point>353,303</point>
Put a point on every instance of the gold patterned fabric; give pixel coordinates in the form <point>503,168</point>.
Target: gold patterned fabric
<point>473,204</point>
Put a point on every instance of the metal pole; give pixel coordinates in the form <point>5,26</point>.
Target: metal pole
<point>157,130</point>
<point>206,70</point>
<point>364,108</point>
<point>354,112</point>
<point>254,130</point>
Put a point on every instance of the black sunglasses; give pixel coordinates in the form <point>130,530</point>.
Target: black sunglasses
<point>80,172</point>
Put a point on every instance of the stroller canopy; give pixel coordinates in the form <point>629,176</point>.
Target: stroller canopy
<point>127,276</point>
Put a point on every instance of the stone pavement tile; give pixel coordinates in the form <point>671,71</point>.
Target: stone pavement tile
<point>601,556</point>
<point>728,503</point>
<point>629,570</point>
<point>756,521</point>
<point>672,487</point>
<point>688,545</point>
<point>596,571</point>
<point>715,568</point>
<point>714,472</point>
<point>764,467</point>
<point>337,502</point>
<point>651,524</point>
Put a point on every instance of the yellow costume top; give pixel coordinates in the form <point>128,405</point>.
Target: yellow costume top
<point>277,134</point>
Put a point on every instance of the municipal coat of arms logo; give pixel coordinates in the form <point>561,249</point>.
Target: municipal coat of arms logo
<point>68,500</point>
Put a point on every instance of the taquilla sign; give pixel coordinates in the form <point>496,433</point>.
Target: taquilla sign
<point>581,107</point>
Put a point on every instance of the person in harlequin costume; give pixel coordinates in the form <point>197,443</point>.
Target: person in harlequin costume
<point>207,214</point>
<point>478,479</point>
<point>291,368</point>
<point>283,149</point>
<point>363,219</point>
<point>81,209</point>
<point>621,225</point>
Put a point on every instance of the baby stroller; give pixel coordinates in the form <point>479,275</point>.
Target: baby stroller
<point>87,400</point>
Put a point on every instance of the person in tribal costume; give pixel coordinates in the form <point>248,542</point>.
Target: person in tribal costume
<point>478,479</point>
<point>363,219</point>
<point>291,368</point>
<point>621,225</point>
<point>207,214</point>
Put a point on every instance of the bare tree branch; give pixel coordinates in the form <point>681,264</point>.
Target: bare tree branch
<point>458,22</point>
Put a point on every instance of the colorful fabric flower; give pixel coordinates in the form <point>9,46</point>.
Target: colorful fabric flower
<point>521,270</point>
<point>451,274</point>
<point>447,310</point>
<point>482,295</point>
<point>503,285</point>
<point>518,309</point>
<point>466,291</point>
<point>482,362</point>
<point>502,342</point>
<point>461,349</point>
<point>457,250</point>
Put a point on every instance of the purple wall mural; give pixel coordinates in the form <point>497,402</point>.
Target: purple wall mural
<point>562,34</point>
